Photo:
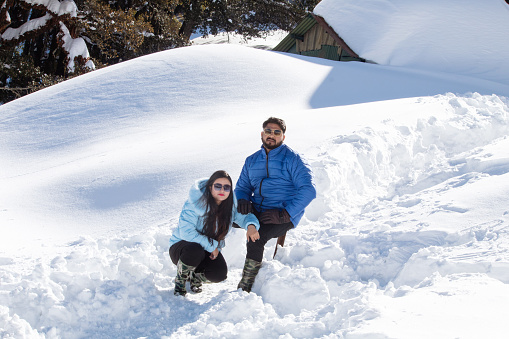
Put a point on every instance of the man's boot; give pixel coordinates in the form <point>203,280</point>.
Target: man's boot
<point>251,268</point>
<point>197,279</point>
<point>183,273</point>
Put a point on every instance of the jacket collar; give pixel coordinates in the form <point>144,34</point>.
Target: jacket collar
<point>273,152</point>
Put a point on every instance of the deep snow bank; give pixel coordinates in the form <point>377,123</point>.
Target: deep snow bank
<point>411,206</point>
<point>384,232</point>
<point>88,151</point>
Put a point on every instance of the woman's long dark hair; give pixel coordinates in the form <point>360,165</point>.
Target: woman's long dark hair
<point>216,215</point>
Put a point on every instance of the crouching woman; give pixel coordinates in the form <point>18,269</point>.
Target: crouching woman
<point>205,220</point>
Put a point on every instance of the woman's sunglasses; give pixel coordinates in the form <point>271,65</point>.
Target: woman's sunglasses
<point>276,132</point>
<point>227,188</point>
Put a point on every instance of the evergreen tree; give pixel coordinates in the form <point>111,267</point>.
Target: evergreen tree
<point>113,34</point>
<point>38,46</point>
<point>251,18</point>
<point>160,15</point>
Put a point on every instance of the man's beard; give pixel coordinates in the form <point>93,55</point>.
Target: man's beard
<point>270,147</point>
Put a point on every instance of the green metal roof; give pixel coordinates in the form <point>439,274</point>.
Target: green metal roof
<point>287,43</point>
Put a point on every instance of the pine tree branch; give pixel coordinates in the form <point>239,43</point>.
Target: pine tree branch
<point>18,91</point>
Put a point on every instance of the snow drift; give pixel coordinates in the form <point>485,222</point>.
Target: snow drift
<point>407,238</point>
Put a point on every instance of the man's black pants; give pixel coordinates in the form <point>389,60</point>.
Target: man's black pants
<point>193,254</point>
<point>267,232</point>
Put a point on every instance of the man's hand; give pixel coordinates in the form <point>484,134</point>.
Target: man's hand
<point>275,217</point>
<point>214,254</point>
<point>244,206</point>
<point>252,234</point>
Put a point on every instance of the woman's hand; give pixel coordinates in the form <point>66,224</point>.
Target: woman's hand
<point>252,234</point>
<point>214,254</point>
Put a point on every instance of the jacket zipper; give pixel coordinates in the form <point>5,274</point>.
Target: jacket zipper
<point>261,182</point>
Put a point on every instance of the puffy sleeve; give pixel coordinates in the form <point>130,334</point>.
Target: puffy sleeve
<point>189,224</point>
<point>302,177</point>
<point>244,220</point>
<point>243,188</point>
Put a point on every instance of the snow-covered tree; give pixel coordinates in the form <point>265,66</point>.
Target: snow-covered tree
<point>121,30</point>
<point>113,35</point>
<point>39,45</point>
<point>47,30</point>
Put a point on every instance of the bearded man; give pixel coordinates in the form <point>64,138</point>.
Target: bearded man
<point>276,184</point>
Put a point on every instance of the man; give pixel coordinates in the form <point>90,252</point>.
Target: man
<point>275,184</point>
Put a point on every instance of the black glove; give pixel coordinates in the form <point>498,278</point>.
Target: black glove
<point>275,217</point>
<point>244,206</point>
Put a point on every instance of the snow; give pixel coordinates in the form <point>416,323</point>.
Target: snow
<point>408,237</point>
<point>57,7</point>
<point>462,37</point>
<point>268,41</point>
<point>32,25</point>
<point>74,47</point>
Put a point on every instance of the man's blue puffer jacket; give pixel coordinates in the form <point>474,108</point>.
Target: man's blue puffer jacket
<point>279,180</point>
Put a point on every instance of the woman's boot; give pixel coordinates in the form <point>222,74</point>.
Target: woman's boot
<point>183,274</point>
<point>251,268</point>
<point>197,279</point>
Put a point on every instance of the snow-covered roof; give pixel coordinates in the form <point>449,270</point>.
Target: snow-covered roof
<point>467,37</point>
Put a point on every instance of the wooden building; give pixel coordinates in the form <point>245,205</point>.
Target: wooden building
<point>314,37</point>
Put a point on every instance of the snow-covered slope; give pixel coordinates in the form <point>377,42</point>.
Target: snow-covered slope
<point>408,236</point>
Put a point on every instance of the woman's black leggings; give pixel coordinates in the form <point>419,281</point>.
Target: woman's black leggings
<point>193,254</point>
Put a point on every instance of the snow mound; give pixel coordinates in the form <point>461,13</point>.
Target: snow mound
<point>408,234</point>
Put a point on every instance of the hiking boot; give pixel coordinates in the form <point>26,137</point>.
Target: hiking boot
<point>251,268</point>
<point>197,279</point>
<point>183,274</point>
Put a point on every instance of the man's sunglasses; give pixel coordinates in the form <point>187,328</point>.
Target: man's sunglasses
<point>227,188</point>
<point>276,132</point>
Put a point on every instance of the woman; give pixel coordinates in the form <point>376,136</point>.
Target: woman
<point>204,222</point>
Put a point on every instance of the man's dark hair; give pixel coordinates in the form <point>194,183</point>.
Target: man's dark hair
<point>273,120</point>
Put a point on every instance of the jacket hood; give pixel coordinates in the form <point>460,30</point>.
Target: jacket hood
<point>197,189</point>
